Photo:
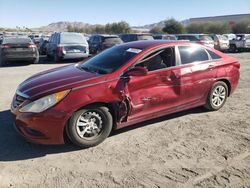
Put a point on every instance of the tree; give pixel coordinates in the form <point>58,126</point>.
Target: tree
<point>196,27</point>
<point>117,27</point>
<point>242,27</point>
<point>172,26</point>
<point>156,30</point>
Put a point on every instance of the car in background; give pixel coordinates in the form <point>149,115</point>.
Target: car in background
<point>67,45</point>
<point>42,47</point>
<point>18,49</point>
<point>221,42</point>
<point>98,43</point>
<point>121,86</point>
<point>197,38</point>
<point>240,43</point>
<point>135,37</point>
<point>229,36</point>
<point>164,37</point>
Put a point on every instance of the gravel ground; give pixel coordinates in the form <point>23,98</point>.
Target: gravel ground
<point>194,148</point>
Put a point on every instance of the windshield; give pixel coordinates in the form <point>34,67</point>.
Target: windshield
<point>115,40</point>
<point>16,40</point>
<point>69,38</point>
<point>110,60</point>
<point>240,37</point>
<point>205,37</point>
<point>145,37</point>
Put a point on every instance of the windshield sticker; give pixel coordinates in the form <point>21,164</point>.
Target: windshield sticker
<point>134,50</point>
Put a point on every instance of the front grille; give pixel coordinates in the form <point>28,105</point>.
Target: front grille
<point>18,100</point>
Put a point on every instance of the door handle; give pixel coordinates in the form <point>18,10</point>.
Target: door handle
<point>146,98</point>
<point>211,67</point>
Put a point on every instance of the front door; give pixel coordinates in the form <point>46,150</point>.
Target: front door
<point>159,90</point>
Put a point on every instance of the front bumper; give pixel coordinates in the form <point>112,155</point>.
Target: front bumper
<point>41,128</point>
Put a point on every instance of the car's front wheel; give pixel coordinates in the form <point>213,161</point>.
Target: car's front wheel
<point>90,126</point>
<point>217,96</point>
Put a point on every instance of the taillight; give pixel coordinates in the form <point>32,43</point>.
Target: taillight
<point>5,46</point>
<point>237,65</point>
<point>200,42</point>
<point>31,46</point>
<point>60,49</point>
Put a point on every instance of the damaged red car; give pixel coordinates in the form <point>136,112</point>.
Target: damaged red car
<point>121,86</point>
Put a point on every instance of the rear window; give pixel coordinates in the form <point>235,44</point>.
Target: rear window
<point>113,40</point>
<point>240,37</point>
<point>205,37</point>
<point>188,37</point>
<point>145,37</point>
<point>16,40</point>
<point>190,54</point>
<point>68,38</point>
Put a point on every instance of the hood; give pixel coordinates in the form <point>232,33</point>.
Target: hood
<point>55,80</point>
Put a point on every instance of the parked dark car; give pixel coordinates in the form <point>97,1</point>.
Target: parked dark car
<point>197,38</point>
<point>98,43</point>
<point>18,49</point>
<point>164,37</point>
<point>67,45</point>
<point>135,37</point>
<point>43,43</point>
<point>121,86</point>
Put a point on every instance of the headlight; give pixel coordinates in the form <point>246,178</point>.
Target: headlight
<point>44,103</point>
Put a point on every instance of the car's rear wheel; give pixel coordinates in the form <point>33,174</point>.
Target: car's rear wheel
<point>217,96</point>
<point>90,126</point>
<point>2,61</point>
<point>233,48</point>
<point>56,58</point>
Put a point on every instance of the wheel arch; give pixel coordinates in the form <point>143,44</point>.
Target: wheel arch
<point>226,81</point>
<point>110,106</point>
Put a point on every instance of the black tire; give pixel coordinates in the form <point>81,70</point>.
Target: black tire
<point>72,129</point>
<point>210,105</point>
<point>2,62</point>
<point>36,61</point>
<point>233,48</point>
<point>56,58</point>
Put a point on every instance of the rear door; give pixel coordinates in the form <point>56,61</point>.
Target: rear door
<point>197,70</point>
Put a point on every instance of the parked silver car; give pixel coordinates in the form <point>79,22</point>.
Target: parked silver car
<point>240,43</point>
<point>67,45</point>
<point>220,42</point>
<point>197,38</point>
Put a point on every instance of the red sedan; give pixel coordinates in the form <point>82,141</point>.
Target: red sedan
<point>121,86</point>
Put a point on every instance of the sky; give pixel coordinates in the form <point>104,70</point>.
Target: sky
<point>36,13</point>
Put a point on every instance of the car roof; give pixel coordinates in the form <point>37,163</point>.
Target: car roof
<point>105,35</point>
<point>136,34</point>
<point>152,43</point>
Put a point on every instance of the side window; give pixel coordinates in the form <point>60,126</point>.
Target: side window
<point>190,54</point>
<point>159,60</point>
<point>213,55</point>
<point>91,39</point>
<point>96,40</point>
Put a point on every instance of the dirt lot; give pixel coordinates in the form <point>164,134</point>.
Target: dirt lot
<point>194,148</point>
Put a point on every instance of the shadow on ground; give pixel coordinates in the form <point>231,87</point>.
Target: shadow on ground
<point>42,60</point>
<point>13,147</point>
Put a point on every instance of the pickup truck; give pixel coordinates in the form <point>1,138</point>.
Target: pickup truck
<point>240,43</point>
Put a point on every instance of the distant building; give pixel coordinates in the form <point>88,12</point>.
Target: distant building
<point>232,19</point>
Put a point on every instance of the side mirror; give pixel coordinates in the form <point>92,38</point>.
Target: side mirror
<point>137,71</point>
